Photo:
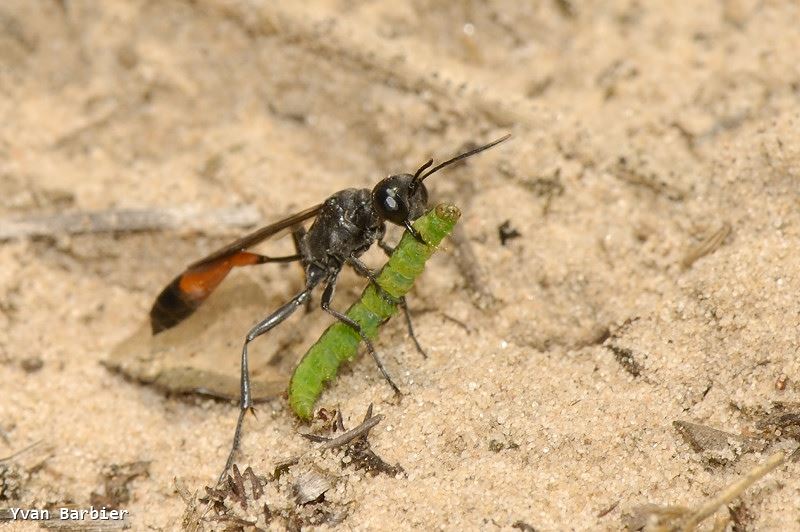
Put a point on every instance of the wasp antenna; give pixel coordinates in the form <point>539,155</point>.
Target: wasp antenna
<point>422,168</point>
<point>459,157</point>
<point>416,174</point>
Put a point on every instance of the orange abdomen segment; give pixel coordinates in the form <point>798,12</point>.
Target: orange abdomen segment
<point>186,293</point>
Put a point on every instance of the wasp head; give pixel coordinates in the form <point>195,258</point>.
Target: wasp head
<point>402,198</point>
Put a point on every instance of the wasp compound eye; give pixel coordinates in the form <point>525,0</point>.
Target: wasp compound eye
<point>390,199</point>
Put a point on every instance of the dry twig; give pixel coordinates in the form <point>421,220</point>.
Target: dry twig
<point>127,220</point>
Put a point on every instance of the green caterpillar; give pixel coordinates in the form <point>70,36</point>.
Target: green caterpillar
<point>339,343</point>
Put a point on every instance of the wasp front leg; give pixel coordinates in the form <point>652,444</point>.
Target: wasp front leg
<point>363,270</point>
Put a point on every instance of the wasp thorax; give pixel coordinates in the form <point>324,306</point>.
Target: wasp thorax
<point>399,199</point>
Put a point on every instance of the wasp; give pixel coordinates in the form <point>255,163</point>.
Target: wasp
<point>344,226</point>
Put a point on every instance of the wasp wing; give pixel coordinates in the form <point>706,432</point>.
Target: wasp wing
<point>181,297</point>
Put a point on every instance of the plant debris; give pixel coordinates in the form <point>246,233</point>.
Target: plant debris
<point>116,480</point>
<point>251,500</point>
<point>780,420</point>
<point>707,246</point>
<point>496,445</point>
<point>657,518</point>
<point>126,220</point>
<point>232,504</point>
<point>15,473</point>
<point>506,232</point>
<point>522,525</point>
<point>311,486</point>
<point>626,359</point>
<point>716,446</point>
<point>358,452</point>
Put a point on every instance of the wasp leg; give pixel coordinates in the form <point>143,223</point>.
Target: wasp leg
<point>298,233</point>
<point>327,296</point>
<point>414,232</point>
<point>363,270</point>
<point>407,313</point>
<point>260,328</point>
<point>387,248</point>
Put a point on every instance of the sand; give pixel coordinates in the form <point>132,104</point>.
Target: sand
<point>652,175</point>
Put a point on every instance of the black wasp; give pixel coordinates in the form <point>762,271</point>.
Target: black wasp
<point>345,226</point>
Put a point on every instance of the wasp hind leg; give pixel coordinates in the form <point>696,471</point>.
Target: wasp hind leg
<point>298,234</point>
<point>262,327</point>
